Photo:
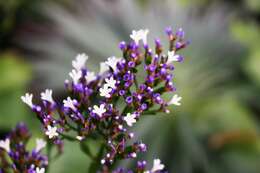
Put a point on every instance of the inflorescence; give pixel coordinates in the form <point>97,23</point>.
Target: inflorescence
<point>94,106</point>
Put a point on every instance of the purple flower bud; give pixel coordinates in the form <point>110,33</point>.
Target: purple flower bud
<point>144,106</point>
<point>122,92</point>
<point>131,64</point>
<point>129,99</point>
<point>180,33</point>
<point>178,45</point>
<point>122,45</point>
<point>168,31</point>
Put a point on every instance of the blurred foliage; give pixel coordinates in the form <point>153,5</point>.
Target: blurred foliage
<point>15,75</point>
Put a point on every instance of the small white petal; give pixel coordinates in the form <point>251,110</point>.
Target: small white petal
<point>105,91</point>
<point>99,110</point>
<point>47,96</point>
<point>40,170</point>
<point>5,144</point>
<point>80,138</point>
<point>110,82</point>
<point>172,57</point>
<point>130,119</point>
<point>51,132</point>
<point>175,100</point>
<point>90,76</point>
<point>140,35</point>
<point>157,166</point>
<point>112,62</point>
<point>103,67</point>
<point>40,144</point>
<point>69,103</point>
<point>80,61</point>
<point>27,99</point>
<point>75,75</point>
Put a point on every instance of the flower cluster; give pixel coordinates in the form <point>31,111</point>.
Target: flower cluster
<point>14,156</point>
<point>103,105</point>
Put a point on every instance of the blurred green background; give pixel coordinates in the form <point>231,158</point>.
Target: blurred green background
<point>216,130</point>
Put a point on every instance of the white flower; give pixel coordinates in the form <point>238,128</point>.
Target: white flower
<point>103,67</point>
<point>80,61</point>
<point>130,119</point>
<point>105,91</point>
<point>99,110</point>
<point>111,82</point>
<point>175,100</point>
<point>172,57</point>
<point>69,103</point>
<point>40,170</point>
<point>139,35</point>
<point>40,144</point>
<point>5,144</point>
<point>90,76</point>
<point>75,75</point>
<point>80,138</point>
<point>112,62</point>
<point>143,35</point>
<point>27,98</point>
<point>47,96</point>
<point>51,132</point>
<point>157,166</point>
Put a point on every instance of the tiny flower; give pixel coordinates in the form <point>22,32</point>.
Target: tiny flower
<point>175,100</point>
<point>5,144</point>
<point>80,61</point>
<point>103,67</point>
<point>111,82</point>
<point>99,110</point>
<point>51,132</point>
<point>143,35</point>
<point>130,119</point>
<point>27,99</point>
<point>105,91</point>
<point>90,76</point>
<point>139,35</point>
<point>172,57</point>
<point>40,144</point>
<point>69,103</point>
<point>112,62</point>
<point>80,138</point>
<point>75,75</point>
<point>47,96</point>
<point>40,170</point>
<point>157,166</point>
<point>135,36</point>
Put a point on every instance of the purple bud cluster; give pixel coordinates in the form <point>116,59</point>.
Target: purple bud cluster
<point>16,158</point>
<point>102,106</point>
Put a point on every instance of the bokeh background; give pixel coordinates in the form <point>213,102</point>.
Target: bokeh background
<point>216,130</point>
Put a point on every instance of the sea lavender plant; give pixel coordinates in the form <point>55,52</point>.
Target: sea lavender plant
<point>14,156</point>
<point>92,108</point>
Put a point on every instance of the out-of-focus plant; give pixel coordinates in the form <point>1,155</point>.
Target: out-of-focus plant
<point>210,70</point>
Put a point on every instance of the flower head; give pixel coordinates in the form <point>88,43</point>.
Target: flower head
<point>27,99</point>
<point>80,61</point>
<point>105,91</point>
<point>40,170</point>
<point>130,119</point>
<point>69,103</point>
<point>40,144</point>
<point>112,62</point>
<point>157,166</point>
<point>75,75</point>
<point>51,132</point>
<point>47,96</point>
<point>99,110</point>
<point>5,144</point>
<point>175,100</point>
